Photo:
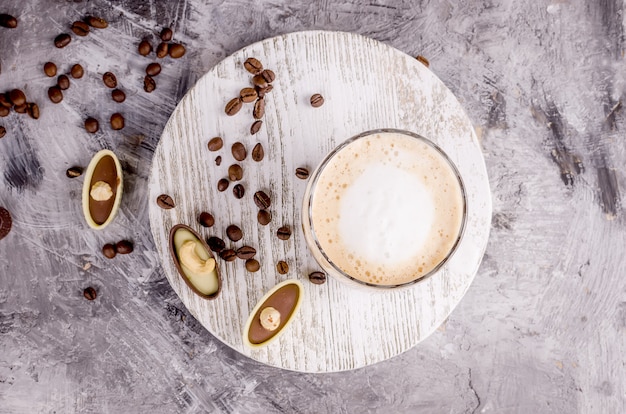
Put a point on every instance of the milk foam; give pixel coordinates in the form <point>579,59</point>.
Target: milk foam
<point>387,208</point>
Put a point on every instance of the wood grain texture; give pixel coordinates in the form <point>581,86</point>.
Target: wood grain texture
<point>366,85</point>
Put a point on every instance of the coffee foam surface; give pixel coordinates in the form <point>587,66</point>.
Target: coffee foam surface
<point>387,208</point>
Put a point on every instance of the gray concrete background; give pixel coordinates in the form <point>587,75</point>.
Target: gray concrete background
<point>543,327</point>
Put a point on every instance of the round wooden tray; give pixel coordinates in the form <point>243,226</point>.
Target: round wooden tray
<point>366,85</point>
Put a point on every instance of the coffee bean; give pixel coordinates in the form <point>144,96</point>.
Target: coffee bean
<point>422,60</point>
<point>3,130</point>
<point>162,50</point>
<point>62,40</point>
<point>50,69</point>
<point>234,233</point>
<point>256,126</point>
<point>216,244</point>
<point>77,71</point>
<point>153,69</point>
<point>96,22</point>
<point>259,81</point>
<point>90,293</point>
<point>259,108</point>
<point>248,95</point>
<point>166,34</point>
<point>235,172</point>
<point>253,65</point>
<point>8,21</point>
<point>215,144</point>
<point>165,201</point>
<point>80,28</point>
<point>20,109</point>
<point>176,50</point>
<point>262,91</point>
<point>246,252</point>
<point>228,255</point>
<point>63,82</point>
<point>17,97</point>
<point>6,222</point>
<point>206,219</point>
<point>149,84</point>
<point>124,247</point>
<point>222,184</point>
<point>317,278</point>
<point>118,95</point>
<point>74,172</point>
<point>4,111</point>
<point>92,125</point>
<point>144,48</point>
<point>239,191</point>
<point>257,152</point>
<point>218,160</point>
<point>302,173</point>
<point>5,100</point>
<point>284,233</point>
<point>109,250</point>
<point>268,75</point>
<point>117,121</point>
<point>262,200</point>
<point>282,267</point>
<point>55,94</point>
<point>32,109</point>
<point>109,80</point>
<point>317,100</point>
<point>233,106</point>
<point>264,217</point>
<point>239,151</point>
<point>252,265</point>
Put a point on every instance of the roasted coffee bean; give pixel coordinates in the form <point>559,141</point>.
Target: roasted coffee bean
<point>264,217</point>
<point>92,125</point>
<point>259,108</point>
<point>50,69</point>
<point>216,244</point>
<point>63,82</point>
<point>222,184</point>
<point>3,130</point>
<point>302,173</point>
<point>77,71</point>
<point>90,293</point>
<point>246,252</point>
<point>6,222</point>
<point>4,111</point>
<point>218,160</point>
<point>144,48</point>
<point>149,84</point>
<point>282,267</point>
<point>422,60</point>
<point>96,22</point>
<point>256,126</point>
<point>55,94</point>
<point>262,91</point>
<point>8,21</point>
<point>118,95</point>
<point>80,28</point>
<point>284,233</point>
<point>215,144</point>
<point>165,201</point>
<point>235,172</point>
<point>239,191</point>
<point>317,100</point>
<point>317,278</point>
<point>153,69</point>
<point>62,40</point>
<point>257,152</point>
<point>239,151</point>
<point>5,100</point>
<point>109,250</point>
<point>74,172</point>
<point>32,109</point>
<point>262,200</point>
<point>228,255</point>
<point>162,50</point>
<point>17,97</point>
<point>176,50</point>
<point>166,34</point>
<point>117,121</point>
<point>248,95</point>
<point>259,81</point>
<point>234,233</point>
<point>20,109</point>
<point>252,265</point>
<point>124,247</point>
<point>109,80</point>
<point>268,75</point>
<point>233,106</point>
<point>253,65</point>
<point>206,219</point>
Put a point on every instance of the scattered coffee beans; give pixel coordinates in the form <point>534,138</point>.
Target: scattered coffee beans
<point>302,173</point>
<point>218,160</point>
<point>8,21</point>
<point>3,130</point>
<point>162,50</point>
<point>262,91</point>
<point>215,144</point>
<point>253,65</point>
<point>262,200</point>
<point>165,201</point>
<point>256,126</point>
<point>109,80</point>
<point>118,95</point>
<point>109,250</point>
<point>124,247</point>
<point>50,69</point>
<point>282,267</point>
<point>317,100</point>
<point>166,34</point>
<point>63,82</point>
<point>252,265</point>
<point>96,22</point>
<point>268,75</point>
<point>222,184</point>
<point>233,106</point>
<point>17,97</point>
<point>6,222</point>
<point>234,233</point>
<point>74,172</point>
<point>5,100</point>
<point>235,172</point>
<point>92,125</point>
<point>153,69</point>
<point>77,71</point>
<point>246,252</point>
<point>257,152</point>
<point>144,48</point>
<point>62,40</point>
<point>20,109</point>
<point>239,151</point>
<point>117,121</point>
<point>4,111</point>
<point>239,191</point>
<point>176,50</point>
<point>32,109</point>
<point>259,81</point>
<point>284,233</point>
<point>259,108</point>
<point>206,219</point>
<point>228,255</point>
<point>216,244</point>
<point>317,278</point>
<point>264,217</point>
<point>248,95</point>
<point>55,94</point>
<point>149,84</point>
<point>80,28</point>
<point>90,293</point>
<point>423,60</point>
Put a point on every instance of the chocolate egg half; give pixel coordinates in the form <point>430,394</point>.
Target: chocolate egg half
<point>102,189</point>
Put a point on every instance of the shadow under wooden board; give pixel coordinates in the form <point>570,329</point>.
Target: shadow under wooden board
<point>366,85</point>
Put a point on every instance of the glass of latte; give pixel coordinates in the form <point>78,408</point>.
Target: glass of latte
<point>385,209</point>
